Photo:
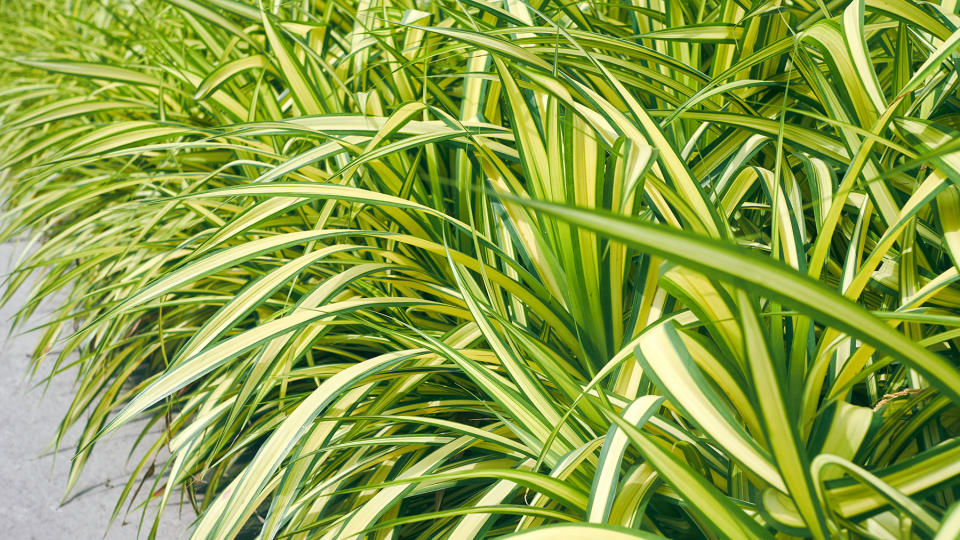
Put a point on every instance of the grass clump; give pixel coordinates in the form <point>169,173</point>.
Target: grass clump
<point>460,269</point>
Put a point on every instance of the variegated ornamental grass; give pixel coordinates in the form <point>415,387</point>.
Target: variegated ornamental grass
<point>467,268</point>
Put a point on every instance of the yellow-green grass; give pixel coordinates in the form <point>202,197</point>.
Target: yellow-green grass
<point>465,269</point>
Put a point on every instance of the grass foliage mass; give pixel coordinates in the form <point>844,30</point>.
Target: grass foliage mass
<point>459,269</point>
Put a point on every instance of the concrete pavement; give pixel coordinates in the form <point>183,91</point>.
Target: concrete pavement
<point>33,478</point>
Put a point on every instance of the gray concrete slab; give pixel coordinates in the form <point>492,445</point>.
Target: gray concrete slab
<point>33,478</point>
